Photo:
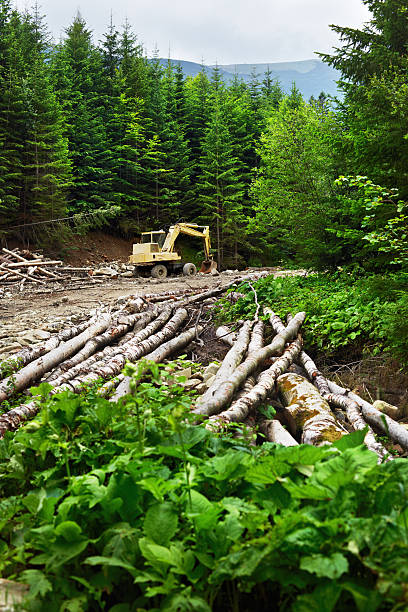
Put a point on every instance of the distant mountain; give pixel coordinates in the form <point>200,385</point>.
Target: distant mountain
<point>311,76</point>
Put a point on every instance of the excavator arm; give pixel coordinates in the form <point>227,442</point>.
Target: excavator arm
<point>190,230</point>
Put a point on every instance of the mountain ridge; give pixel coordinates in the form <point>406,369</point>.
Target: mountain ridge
<point>311,76</point>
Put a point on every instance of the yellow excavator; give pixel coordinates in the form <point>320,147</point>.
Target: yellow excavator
<point>155,252</point>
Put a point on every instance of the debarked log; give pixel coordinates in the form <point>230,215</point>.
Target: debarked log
<point>274,431</point>
<point>307,411</point>
<point>158,355</point>
<point>241,408</point>
<point>33,371</point>
<point>225,392</point>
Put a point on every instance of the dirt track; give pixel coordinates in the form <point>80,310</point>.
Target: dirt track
<point>30,317</point>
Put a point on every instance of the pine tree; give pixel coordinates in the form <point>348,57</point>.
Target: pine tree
<point>373,63</point>
<point>219,184</point>
<point>77,68</point>
<point>12,119</point>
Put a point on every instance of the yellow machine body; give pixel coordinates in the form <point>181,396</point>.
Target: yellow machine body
<point>158,247</point>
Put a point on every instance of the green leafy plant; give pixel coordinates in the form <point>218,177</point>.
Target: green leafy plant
<point>188,520</point>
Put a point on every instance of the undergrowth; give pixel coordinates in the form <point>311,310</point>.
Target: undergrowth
<point>130,507</point>
<point>343,311</point>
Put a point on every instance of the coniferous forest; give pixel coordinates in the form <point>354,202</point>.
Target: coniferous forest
<point>91,126</point>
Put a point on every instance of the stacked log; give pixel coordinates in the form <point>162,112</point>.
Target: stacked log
<point>251,378</point>
<point>98,349</point>
<point>21,268</point>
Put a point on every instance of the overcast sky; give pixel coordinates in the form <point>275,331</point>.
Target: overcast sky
<point>226,31</point>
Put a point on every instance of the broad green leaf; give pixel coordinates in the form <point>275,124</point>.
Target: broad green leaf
<point>366,599</point>
<point>199,503</point>
<point>154,553</point>
<point>323,599</point>
<point>160,523</point>
<point>110,561</point>
<point>39,584</point>
<point>332,566</point>
<point>69,530</point>
<point>356,438</point>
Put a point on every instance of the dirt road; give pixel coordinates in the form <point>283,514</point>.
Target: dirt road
<point>27,318</point>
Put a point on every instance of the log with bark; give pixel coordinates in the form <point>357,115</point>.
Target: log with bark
<point>232,359</point>
<point>30,353</point>
<point>346,403</point>
<point>265,384</point>
<point>110,352</point>
<point>308,414</point>
<point>374,417</point>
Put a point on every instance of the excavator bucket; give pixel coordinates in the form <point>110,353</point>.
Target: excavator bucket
<point>208,266</point>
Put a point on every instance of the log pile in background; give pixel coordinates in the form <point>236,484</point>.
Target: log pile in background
<point>20,269</point>
<point>265,365</point>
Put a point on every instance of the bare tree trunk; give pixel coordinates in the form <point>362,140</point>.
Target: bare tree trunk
<point>227,336</point>
<point>32,372</point>
<point>225,392</point>
<point>275,432</point>
<point>13,418</point>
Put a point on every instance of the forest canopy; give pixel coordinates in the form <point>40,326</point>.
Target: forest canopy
<point>90,127</point>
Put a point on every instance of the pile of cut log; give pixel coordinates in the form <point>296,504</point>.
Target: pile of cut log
<point>20,268</point>
<point>265,365</point>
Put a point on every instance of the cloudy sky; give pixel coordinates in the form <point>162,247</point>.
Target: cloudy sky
<point>227,31</point>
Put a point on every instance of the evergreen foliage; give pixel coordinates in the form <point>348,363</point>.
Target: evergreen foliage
<point>86,127</point>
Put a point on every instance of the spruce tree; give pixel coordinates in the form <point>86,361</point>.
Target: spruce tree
<point>77,68</point>
<point>219,184</point>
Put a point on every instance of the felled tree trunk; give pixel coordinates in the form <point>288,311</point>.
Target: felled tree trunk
<point>225,392</point>
<point>32,372</point>
<point>232,359</point>
<point>94,344</point>
<point>307,411</point>
<point>13,419</point>
<point>274,431</point>
<point>373,416</point>
<point>31,353</point>
<point>227,336</point>
<point>158,355</point>
<point>130,352</point>
<point>344,402</point>
<point>111,351</point>
<point>240,409</point>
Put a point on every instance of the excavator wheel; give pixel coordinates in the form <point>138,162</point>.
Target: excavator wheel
<point>159,271</point>
<point>189,269</point>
